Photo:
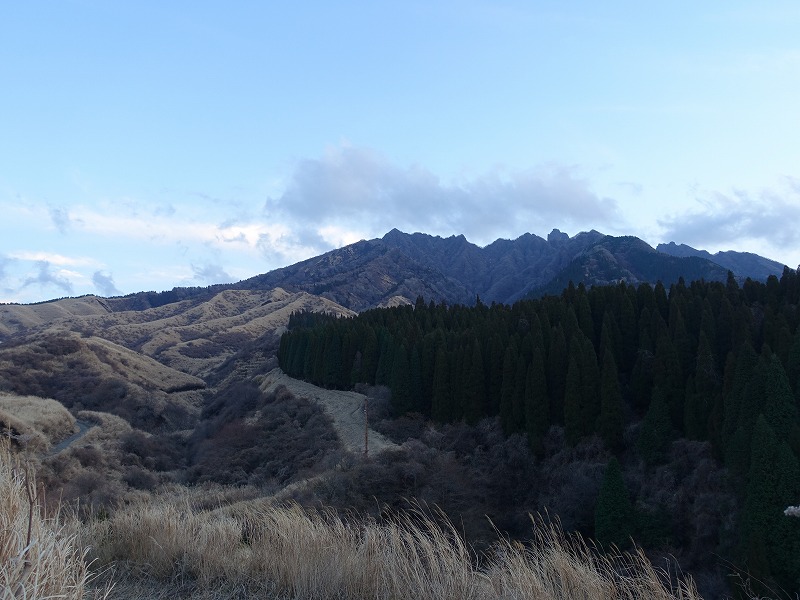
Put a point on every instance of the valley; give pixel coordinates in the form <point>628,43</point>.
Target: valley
<point>241,400</point>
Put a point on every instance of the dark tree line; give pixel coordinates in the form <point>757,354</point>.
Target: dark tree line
<point>709,361</point>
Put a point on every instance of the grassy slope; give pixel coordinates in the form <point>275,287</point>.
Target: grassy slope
<point>179,548</point>
<point>193,544</point>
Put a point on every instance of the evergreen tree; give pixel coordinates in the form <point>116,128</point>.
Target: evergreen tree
<point>383,371</point>
<point>641,378</point>
<point>573,398</point>
<point>628,331</point>
<point>613,514</point>
<point>701,392</point>
<point>742,374</point>
<point>494,377</point>
<point>441,399</point>
<point>661,301</point>
<point>518,405</point>
<point>507,390</point>
<point>400,382</point>
<point>369,358</point>
<point>793,366</point>
<point>753,399</point>
<point>557,363</point>
<point>537,406</point>
<point>770,541</point>
<point>724,326</point>
<point>474,385</point>
<point>610,424</point>
<point>667,375</point>
<point>655,432</point>
<point>610,338</point>
<point>780,408</point>
<point>418,401</point>
<point>679,336</point>
<point>583,313</point>
<point>590,382</point>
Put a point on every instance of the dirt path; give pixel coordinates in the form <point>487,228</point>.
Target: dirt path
<point>345,408</point>
<point>83,428</point>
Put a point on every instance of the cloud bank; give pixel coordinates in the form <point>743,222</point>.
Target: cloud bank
<point>357,189</point>
<point>767,219</point>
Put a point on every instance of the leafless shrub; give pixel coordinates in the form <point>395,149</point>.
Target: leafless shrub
<point>89,456</point>
<point>140,479</point>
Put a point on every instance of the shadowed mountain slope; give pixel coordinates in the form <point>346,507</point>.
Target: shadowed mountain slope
<point>372,273</point>
<point>745,264</point>
<point>400,267</point>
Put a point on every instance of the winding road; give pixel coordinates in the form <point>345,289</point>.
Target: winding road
<point>83,428</point>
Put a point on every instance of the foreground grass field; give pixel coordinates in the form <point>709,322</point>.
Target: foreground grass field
<point>40,557</point>
<point>183,546</point>
<point>252,549</point>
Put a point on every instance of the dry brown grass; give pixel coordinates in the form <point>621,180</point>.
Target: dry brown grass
<point>14,317</point>
<point>290,552</point>
<point>39,557</point>
<point>42,421</point>
<point>344,408</point>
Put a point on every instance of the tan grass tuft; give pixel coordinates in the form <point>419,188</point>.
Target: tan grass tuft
<point>43,420</point>
<point>39,557</point>
<point>301,553</point>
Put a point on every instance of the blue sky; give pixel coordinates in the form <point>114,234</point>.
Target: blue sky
<point>146,145</point>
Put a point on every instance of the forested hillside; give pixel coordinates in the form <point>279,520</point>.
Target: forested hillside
<point>707,368</point>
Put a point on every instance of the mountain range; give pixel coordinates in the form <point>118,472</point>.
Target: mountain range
<point>399,267</point>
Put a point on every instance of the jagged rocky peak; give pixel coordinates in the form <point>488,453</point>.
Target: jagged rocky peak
<point>557,237</point>
<point>681,250</point>
<point>394,234</point>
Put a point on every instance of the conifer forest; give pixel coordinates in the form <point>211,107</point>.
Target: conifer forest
<point>655,376</point>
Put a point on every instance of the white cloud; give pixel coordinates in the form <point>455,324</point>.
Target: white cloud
<point>211,273</point>
<point>766,220</point>
<point>357,189</point>
<point>104,282</point>
<point>53,258</point>
<point>46,278</point>
<point>60,218</point>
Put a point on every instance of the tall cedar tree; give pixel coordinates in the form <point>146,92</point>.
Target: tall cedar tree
<point>518,401</point>
<point>537,406</point>
<point>793,366</point>
<point>400,382</point>
<point>474,385</point>
<point>611,422</point>
<point>509,384</point>
<point>573,397</point>
<point>441,398</point>
<point>770,540</point>
<point>613,514</point>
<point>780,408</point>
<point>655,432</point>
<point>701,391</point>
<point>668,376</point>
<point>557,363</point>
